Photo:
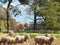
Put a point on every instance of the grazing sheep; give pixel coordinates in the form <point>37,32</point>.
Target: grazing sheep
<point>49,42</point>
<point>43,40</point>
<point>21,26</point>
<point>10,40</point>
<point>38,39</point>
<point>4,37</point>
<point>22,39</point>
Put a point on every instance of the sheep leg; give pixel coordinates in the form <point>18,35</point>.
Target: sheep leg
<point>14,43</point>
<point>41,43</point>
<point>46,44</point>
<point>0,43</point>
<point>25,43</point>
<point>49,44</point>
<point>11,43</point>
<point>35,43</point>
<point>8,43</point>
<point>3,43</point>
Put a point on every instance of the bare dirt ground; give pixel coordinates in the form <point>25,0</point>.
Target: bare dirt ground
<point>31,42</point>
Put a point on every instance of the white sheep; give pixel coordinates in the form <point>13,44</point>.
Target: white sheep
<point>44,40</point>
<point>10,40</point>
<point>21,26</point>
<point>3,38</point>
<point>22,39</point>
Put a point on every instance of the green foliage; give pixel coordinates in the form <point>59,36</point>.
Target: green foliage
<point>24,1</point>
<point>42,2</point>
<point>5,1</point>
<point>55,0</point>
<point>51,12</point>
<point>3,23</point>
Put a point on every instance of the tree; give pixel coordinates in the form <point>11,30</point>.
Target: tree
<point>44,10</point>
<point>9,2</point>
<point>24,1</point>
<point>51,14</point>
<point>7,11</point>
<point>3,17</point>
<point>34,7</point>
<point>36,4</point>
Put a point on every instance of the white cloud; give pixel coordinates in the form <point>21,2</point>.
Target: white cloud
<point>23,8</point>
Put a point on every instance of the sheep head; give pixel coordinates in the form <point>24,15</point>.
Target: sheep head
<point>52,39</point>
<point>26,24</point>
<point>11,32</point>
<point>17,38</point>
<point>47,35</point>
<point>27,36</point>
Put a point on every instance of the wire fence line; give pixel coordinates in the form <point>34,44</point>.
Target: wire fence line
<point>41,31</point>
<point>38,31</point>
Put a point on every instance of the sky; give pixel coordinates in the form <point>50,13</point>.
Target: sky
<point>24,17</point>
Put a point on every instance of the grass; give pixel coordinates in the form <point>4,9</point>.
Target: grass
<point>39,34</point>
<point>35,34</point>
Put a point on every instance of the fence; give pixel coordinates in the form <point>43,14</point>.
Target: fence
<point>38,31</point>
<point>41,31</point>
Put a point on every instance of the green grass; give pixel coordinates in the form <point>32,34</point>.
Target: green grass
<point>1,33</point>
<point>36,34</point>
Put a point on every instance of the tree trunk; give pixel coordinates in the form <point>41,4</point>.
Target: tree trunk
<point>34,28</point>
<point>7,20</point>
<point>9,2</point>
<point>34,21</point>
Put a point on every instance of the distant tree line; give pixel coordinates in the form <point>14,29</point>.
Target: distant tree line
<point>3,20</point>
<point>48,9</point>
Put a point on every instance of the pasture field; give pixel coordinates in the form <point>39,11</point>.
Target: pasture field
<point>39,34</point>
<point>31,42</point>
<point>36,34</point>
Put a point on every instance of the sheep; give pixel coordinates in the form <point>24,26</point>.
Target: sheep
<point>3,38</point>
<point>38,39</point>
<point>49,42</point>
<point>22,39</point>
<point>21,26</point>
<point>43,40</point>
<point>10,37</point>
<point>10,40</point>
